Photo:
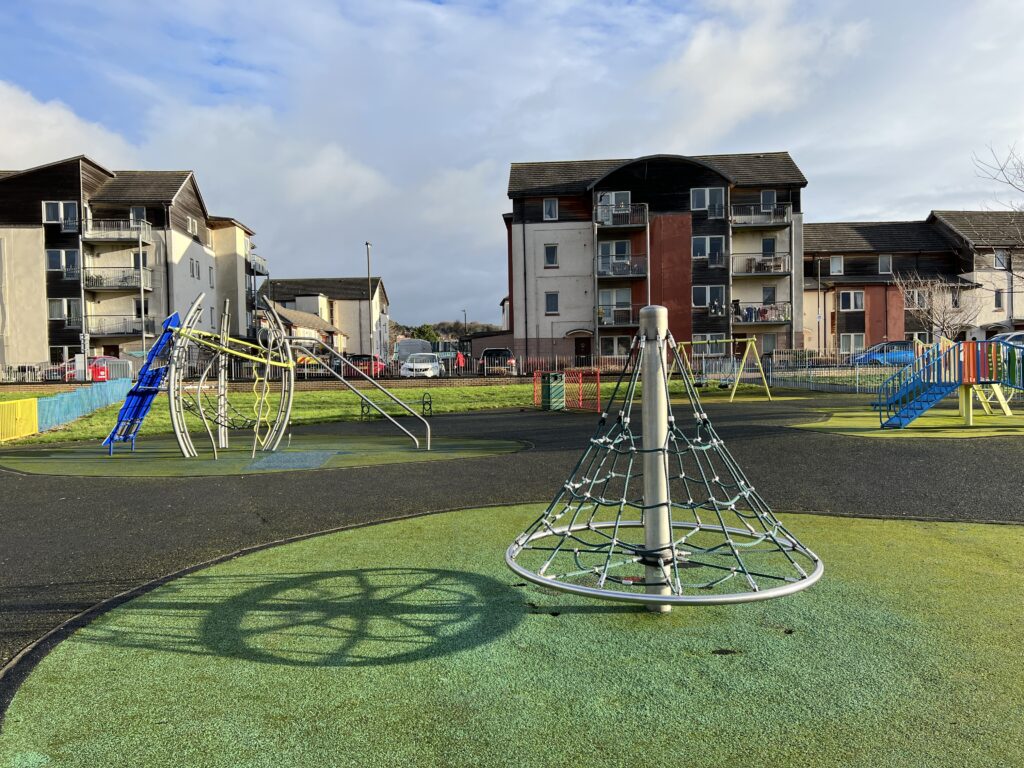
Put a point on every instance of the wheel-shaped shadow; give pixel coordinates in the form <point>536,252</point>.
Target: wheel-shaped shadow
<point>377,616</point>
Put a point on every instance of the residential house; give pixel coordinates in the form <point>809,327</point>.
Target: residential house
<point>714,238</point>
<point>308,325</point>
<point>357,306</point>
<point>851,299</point>
<point>93,259</point>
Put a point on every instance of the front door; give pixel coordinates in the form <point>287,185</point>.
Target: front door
<point>582,344</point>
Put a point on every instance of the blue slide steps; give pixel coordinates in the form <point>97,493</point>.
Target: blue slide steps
<point>140,396</point>
<point>928,397</point>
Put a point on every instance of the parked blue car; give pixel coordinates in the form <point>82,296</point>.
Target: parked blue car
<point>887,353</point>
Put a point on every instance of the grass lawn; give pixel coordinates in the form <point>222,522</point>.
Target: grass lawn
<point>941,421</point>
<point>411,644</point>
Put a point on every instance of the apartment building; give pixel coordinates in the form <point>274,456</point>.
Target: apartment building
<point>990,245</point>
<point>714,238</point>
<point>357,307</point>
<point>308,325</point>
<point>93,259</point>
<point>851,299</point>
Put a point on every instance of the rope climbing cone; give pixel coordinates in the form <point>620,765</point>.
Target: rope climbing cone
<point>659,512</point>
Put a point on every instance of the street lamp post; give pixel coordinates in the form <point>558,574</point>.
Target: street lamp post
<point>369,302</point>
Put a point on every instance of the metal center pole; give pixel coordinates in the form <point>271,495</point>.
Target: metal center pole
<point>657,526</point>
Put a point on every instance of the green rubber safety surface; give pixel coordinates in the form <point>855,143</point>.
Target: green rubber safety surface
<point>411,644</point>
<point>941,421</point>
<point>160,456</point>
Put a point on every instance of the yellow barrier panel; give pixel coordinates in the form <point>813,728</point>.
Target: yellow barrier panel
<point>18,418</point>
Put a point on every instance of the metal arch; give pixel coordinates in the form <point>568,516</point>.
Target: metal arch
<point>284,410</point>
<point>175,377</point>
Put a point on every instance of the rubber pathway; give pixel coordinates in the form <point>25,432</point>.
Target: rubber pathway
<point>68,543</point>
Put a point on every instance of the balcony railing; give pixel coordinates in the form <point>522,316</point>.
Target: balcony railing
<point>619,266</point>
<point>118,325</point>
<point>757,312</point>
<point>759,215</point>
<point>117,229</point>
<point>74,321</point>
<point>117,279</point>
<point>621,215</point>
<point>761,264</point>
<point>70,273</point>
<point>609,315</point>
<point>258,264</point>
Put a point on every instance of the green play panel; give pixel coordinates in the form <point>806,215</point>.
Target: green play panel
<point>160,457</point>
<point>410,644</point>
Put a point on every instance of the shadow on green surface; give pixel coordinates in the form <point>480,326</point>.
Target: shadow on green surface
<point>371,617</point>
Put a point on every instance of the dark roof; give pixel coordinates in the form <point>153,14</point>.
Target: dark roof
<point>573,177</point>
<point>811,284</point>
<point>350,288</point>
<point>142,187</point>
<point>986,228</point>
<point>874,237</point>
<point>300,319</point>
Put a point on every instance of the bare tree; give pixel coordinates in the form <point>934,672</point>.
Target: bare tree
<point>1006,169</point>
<point>938,307</point>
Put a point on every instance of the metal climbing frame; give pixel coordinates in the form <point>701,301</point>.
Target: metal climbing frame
<point>306,346</point>
<point>663,517</point>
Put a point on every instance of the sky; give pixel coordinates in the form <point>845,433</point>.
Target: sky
<point>323,124</point>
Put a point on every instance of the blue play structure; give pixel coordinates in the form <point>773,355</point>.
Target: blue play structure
<point>964,366</point>
<point>140,397</point>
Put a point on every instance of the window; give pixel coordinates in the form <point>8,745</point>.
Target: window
<point>55,309</point>
<point>64,309</point>
<point>614,305</point>
<point>851,342</point>
<point>61,212</point>
<point>211,277</point>
<point>65,261</point>
<point>612,346</point>
<point>710,199</point>
<point>550,209</point>
<point>999,298</point>
<point>851,301</point>
<point>769,343</point>
<point>768,246</point>
<point>710,296</point>
<point>915,299</point>
<point>550,256</point>
<point>954,298</point>
<point>711,248</point>
<point>551,303</point>
<point>138,214</point>
<point>1000,258</point>
<point>921,337</point>
<point>767,200</point>
<point>615,208</point>
<point>768,294</point>
<point>835,265</point>
<point>213,318</point>
<point>885,264</point>
<point>709,350</point>
<point>191,267</point>
<point>140,306</point>
<point>145,259</point>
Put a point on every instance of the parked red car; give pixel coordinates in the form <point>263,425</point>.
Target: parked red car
<point>362,363</point>
<point>68,372</point>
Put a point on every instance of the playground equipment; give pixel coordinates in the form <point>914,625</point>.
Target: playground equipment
<point>986,370</point>
<point>665,516</point>
<point>580,388</point>
<point>709,360</point>
<point>198,365</point>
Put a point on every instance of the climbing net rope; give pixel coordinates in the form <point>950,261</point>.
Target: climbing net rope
<point>726,545</point>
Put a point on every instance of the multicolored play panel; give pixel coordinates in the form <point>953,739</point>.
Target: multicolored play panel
<point>161,457</point>
<point>411,644</point>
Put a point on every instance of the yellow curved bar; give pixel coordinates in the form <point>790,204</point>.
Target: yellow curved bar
<point>206,339</point>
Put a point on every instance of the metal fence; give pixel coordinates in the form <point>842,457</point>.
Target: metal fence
<point>825,371</point>
<point>97,370</point>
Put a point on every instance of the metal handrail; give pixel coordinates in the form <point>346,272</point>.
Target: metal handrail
<point>301,344</point>
<point>779,213</point>
<point>760,263</point>
<point>621,214</point>
<point>933,366</point>
<point>117,277</point>
<point>633,265</point>
<point>121,229</point>
<point>761,312</point>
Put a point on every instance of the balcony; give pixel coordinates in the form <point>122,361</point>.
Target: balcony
<point>117,279</point>
<point>117,230</point>
<point>761,264</point>
<point>257,265</point>
<point>757,313</point>
<point>118,325</point>
<point>759,215</point>
<point>622,266</point>
<point>621,215</point>
<point>618,315</point>
<point>73,322</point>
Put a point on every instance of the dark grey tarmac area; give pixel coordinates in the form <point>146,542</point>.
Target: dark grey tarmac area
<point>69,543</point>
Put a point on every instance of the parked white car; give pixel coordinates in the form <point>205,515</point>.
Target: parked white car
<point>425,364</point>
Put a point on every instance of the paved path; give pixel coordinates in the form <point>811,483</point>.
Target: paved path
<point>67,543</point>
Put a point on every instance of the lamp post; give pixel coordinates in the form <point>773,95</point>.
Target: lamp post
<point>465,324</point>
<point>369,302</point>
